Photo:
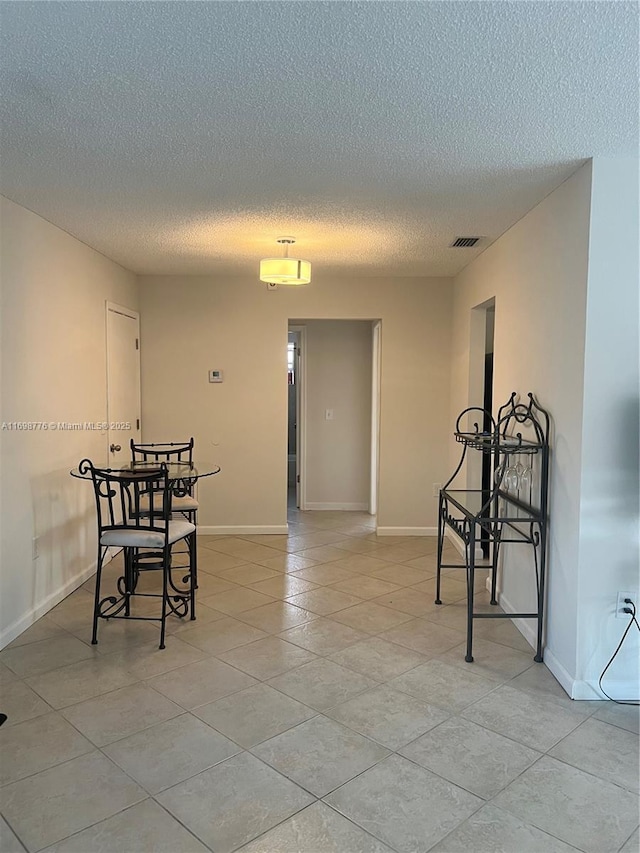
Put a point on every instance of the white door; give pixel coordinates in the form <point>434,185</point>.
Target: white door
<point>123,382</point>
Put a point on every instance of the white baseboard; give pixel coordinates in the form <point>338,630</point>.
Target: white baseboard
<point>554,666</point>
<point>529,630</point>
<point>458,544</point>
<point>586,690</point>
<point>27,619</point>
<point>407,531</point>
<point>616,689</point>
<point>242,529</point>
<point>527,627</point>
<point>352,507</point>
<point>578,690</point>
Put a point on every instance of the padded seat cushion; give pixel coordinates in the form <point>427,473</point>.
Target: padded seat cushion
<point>136,537</point>
<point>178,504</point>
<point>184,504</point>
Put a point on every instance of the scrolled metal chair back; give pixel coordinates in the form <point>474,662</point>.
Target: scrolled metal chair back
<point>130,498</point>
<point>170,451</point>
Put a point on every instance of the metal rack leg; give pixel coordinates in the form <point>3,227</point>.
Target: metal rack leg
<point>495,547</point>
<point>543,565</point>
<point>440,546</point>
<point>470,589</point>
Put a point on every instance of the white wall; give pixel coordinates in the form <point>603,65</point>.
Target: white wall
<point>338,377</point>
<point>54,290</point>
<point>609,513</point>
<point>190,325</point>
<point>537,273</point>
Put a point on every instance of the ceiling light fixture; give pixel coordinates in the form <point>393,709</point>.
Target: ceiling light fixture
<point>285,270</point>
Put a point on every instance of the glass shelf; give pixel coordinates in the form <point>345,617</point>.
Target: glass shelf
<point>490,443</point>
<point>472,501</point>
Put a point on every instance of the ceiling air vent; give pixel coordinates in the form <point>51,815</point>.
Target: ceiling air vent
<point>464,242</point>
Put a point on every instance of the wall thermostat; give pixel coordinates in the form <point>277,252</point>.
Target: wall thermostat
<point>215,376</point>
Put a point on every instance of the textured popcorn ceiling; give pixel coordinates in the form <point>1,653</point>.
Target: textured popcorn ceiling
<point>185,137</point>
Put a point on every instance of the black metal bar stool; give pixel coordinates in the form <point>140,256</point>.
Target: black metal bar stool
<point>182,490</point>
<point>134,513</point>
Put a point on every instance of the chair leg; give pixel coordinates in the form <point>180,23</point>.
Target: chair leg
<point>166,568</point>
<point>96,599</point>
<point>194,559</point>
<point>192,519</point>
<point>193,547</point>
<point>128,579</point>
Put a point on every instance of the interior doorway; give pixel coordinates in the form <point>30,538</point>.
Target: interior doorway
<point>333,387</point>
<point>481,370</point>
<point>487,404</point>
<point>295,407</point>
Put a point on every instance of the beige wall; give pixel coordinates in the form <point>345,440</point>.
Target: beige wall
<point>54,290</point>
<point>537,273</point>
<point>193,324</point>
<point>338,377</point>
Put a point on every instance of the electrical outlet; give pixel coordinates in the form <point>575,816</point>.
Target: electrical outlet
<point>35,548</point>
<point>620,605</point>
<point>436,489</point>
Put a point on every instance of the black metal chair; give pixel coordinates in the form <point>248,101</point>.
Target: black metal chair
<point>146,537</point>
<point>182,497</point>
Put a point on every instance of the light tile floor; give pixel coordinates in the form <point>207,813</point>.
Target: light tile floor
<point>320,703</point>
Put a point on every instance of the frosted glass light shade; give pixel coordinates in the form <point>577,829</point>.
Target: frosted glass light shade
<point>285,271</point>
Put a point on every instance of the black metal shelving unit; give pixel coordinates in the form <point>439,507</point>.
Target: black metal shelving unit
<point>513,510</point>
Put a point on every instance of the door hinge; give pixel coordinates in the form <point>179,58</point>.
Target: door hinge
<point>297,478</point>
<point>137,423</point>
<point>137,344</point>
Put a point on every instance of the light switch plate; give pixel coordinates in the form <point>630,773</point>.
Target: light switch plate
<point>215,376</point>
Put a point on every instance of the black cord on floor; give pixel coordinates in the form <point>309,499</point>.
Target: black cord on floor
<point>630,608</point>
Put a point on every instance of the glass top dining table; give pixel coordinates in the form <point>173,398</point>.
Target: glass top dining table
<point>176,471</point>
